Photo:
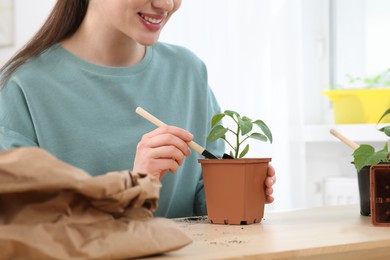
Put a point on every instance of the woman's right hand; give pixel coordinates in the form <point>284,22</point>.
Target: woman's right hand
<point>161,150</point>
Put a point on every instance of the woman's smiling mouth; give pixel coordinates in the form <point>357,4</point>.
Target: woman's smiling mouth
<point>150,19</point>
<point>152,22</point>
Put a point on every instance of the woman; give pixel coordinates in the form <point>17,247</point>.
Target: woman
<point>72,90</point>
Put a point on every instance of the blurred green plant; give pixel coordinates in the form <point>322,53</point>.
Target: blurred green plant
<point>379,80</point>
<point>365,155</point>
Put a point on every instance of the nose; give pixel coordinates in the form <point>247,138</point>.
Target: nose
<point>166,5</point>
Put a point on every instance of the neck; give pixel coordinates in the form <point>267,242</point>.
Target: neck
<point>98,44</point>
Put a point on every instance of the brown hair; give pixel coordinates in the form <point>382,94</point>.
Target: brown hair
<point>63,21</point>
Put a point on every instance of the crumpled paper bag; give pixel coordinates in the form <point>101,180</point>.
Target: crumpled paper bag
<point>52,210</point>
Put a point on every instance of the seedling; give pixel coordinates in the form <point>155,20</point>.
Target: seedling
<point>365,155</point>
<point>240,135</point>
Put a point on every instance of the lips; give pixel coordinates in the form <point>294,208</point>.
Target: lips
<point>152,22</point>
<point>151,19</point>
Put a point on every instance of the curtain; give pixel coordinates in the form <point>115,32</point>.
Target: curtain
<point>253,52</point>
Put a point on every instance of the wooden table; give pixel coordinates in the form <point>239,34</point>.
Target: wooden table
<point>336,232</point>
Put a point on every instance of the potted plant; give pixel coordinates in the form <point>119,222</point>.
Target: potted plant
<point>364,157</point>
<point>234,187</point>
<point>362,100</point>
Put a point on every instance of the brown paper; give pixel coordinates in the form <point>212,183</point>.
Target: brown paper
<point>52,210</point>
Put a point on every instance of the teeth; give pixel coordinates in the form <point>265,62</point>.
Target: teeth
<point>151,20</point>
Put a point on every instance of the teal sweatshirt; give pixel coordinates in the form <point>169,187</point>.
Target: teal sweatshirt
<point>84,114</point>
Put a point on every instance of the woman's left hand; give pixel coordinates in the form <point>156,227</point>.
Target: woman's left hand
<point>269,182</point>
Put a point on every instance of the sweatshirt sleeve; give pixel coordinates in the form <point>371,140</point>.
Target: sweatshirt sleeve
<point>16,126</point>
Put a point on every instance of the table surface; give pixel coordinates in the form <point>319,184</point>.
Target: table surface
<point>333,232</point>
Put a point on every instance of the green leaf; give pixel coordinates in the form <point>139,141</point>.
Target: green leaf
<point>245,125</point>
<point>365,155</point>
<point>263,126</point>
<point>259,136</point>
<point>246,118</point>
<point>216,132</point>
<point>387,130</point>
<point>384,114</point>
<point>231,113</point>
<point>380,156</point>
<point>216,119</point>
<point>361,154</point>
<point>244,152</point>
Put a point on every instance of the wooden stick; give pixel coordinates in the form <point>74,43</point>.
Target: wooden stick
<point>343,139</point>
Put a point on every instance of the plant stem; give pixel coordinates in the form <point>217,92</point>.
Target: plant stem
<point>238,140</point>
<point>243,140</point>
<point>228,143</point>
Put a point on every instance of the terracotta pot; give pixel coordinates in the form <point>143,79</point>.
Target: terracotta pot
<point>234,189</point>
<point>380,194</point>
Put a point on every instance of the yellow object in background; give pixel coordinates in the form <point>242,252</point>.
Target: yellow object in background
<point>359,106</point>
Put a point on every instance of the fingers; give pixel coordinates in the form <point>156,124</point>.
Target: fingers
<point>270,179</point>
<point>161,150</point>
<point>166,145</point>
<point>168,152</point>
<point>271,172</point>
<point>156,166</point>
<point>176,131</point>
<point>268,195</point>
<point>269,182</point>
<point>168,136</point>
<point>269,191</point>
<point>269,199</point>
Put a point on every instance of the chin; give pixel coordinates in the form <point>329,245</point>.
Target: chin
<point>148,41</point>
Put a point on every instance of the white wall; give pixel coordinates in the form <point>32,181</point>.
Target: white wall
<point>28,17</point>
<point>253,52</point>
<point>378,38</point>
<point>361,42</point>
<point>267,59</point>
